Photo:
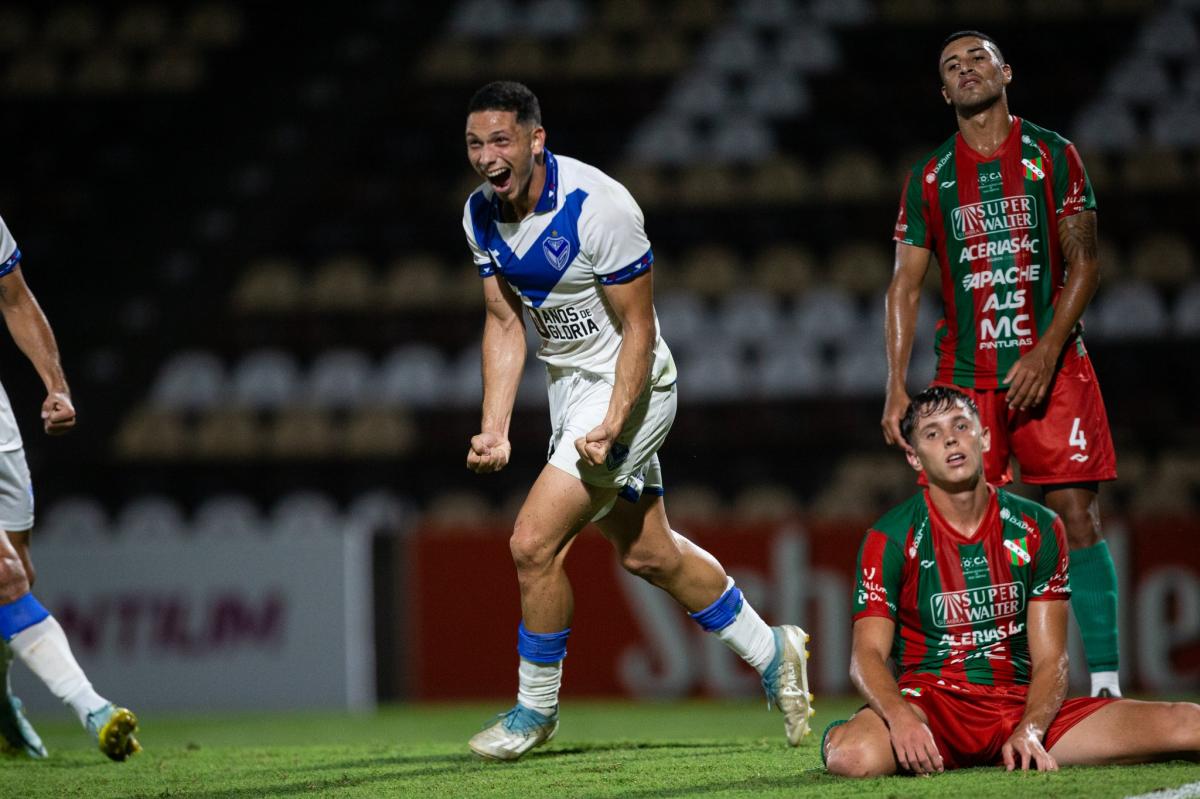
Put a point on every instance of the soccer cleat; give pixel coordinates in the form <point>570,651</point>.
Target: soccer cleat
<point>514,733</point>
<point>114,728</point>
<point>16,732</point>
<point>785,681</point>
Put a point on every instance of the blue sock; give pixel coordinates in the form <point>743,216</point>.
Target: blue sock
<point>20,614</point>
<point>721,613</point>
<point>542,647</point>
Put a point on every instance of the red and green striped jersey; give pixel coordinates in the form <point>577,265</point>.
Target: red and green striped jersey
<point>993,224</point>
<point>961,604</point>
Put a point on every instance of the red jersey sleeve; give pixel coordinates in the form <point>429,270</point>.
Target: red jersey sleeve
<point>912,224</point>
<point>1050,571</point>
<point>1072,190</point>
<point>880,571</point>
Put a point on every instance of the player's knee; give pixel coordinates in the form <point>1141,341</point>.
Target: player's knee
<point>13,582</point>
<point>849,756</point>
<point>1083,528</point>
<point>529,552</point>
<point>1183,722</point>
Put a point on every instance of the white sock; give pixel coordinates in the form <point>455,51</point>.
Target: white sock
<point>538,684</point>
<point>749,635</point>
<point>44,649</point>
<point>1106,679</point>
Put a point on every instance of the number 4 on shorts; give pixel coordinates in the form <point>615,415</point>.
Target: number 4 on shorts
<point>1077,438</point>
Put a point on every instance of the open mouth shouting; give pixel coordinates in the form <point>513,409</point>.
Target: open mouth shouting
<point>500,178</point>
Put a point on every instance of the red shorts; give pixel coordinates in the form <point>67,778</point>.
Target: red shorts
<point>1064,440</point>
<point>970,727</point>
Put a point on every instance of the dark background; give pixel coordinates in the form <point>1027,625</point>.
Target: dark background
<point>145,207</point>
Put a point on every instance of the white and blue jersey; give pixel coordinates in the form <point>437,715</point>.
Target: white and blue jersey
<point>10,259</point>
<point>586,231</point>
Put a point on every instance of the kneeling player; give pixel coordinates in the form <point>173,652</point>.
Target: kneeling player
<point>965,586</point>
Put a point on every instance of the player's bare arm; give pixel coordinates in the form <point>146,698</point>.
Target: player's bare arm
<point>900,324</point>
<point>1029,378</point>
<point>503,363</point>
<point>633,305</point>
<point>912,742</point>
<point>31,331</point>
<point>1047,687</point>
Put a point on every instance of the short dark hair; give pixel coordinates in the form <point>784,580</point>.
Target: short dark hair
<point>934,399</point>
<point>977,34</point>
<point>508,95</point>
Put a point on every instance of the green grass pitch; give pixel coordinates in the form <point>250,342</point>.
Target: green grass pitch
<point>606,749</point>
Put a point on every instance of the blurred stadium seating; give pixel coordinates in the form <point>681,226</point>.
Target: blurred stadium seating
<point>247,236</point>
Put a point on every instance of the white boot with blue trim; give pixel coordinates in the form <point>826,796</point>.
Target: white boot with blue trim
<point>514,733</point>
<point>785,681</point>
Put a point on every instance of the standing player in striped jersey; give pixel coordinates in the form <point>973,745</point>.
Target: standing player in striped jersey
<point>965,586</point>
<point>27,630</point>
<point>564,243</point>
<point>1008,210</point>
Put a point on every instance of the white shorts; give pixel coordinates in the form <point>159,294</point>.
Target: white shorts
<point>16,492</point>
<point>579,402</point>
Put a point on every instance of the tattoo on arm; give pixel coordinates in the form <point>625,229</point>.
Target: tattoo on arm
<point>1078,237</point>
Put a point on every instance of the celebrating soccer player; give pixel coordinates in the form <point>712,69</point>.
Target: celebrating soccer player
<point>27,629</point>
<point>966,586</point>
<point>567,242</point>
<point>1008,209</point>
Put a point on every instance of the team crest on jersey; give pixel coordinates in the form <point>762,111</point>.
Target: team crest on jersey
<point>557,250</point>
<point>1018,549</point>
<point>1033,168</point>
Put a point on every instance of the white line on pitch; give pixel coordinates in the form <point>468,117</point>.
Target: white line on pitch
<point>1189,791</point>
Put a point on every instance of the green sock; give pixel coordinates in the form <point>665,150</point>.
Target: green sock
<point>1094,598</point>
<point>6,659</point>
